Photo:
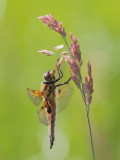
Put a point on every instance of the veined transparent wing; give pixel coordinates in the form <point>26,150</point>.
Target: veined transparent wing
<point>42,114</point>
<point>35,96</point>
<point>63,95</point>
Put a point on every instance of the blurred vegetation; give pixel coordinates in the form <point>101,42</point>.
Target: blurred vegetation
<point>97,25</point>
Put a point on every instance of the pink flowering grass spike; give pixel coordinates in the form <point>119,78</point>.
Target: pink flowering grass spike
<point>75,70</point>
<point>57,48</point>
<point>75,49</point>
<point>46,52</point>
<point>74,61</point>
<point>87,87</point>
<point>53,24</point>
<point>59,62</point>
<point>64,53</point>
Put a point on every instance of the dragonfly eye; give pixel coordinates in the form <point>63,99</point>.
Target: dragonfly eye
<point>47,76</point>
<point>52,75</point>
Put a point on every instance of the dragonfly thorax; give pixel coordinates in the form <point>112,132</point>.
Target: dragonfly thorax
<point>49,76</point>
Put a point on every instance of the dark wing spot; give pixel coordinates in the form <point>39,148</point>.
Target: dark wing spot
<point>49,110</point>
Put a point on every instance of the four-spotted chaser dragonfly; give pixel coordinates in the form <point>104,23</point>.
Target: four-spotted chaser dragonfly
<point>51,94</point>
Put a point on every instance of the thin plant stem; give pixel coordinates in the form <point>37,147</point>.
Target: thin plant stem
<point>90,131</point>
<point>87,112</point>
<point>89,125</point>
<point>64,38</point>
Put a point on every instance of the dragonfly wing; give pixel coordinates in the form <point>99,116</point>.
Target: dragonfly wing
<point>63,95</point>
<point>42,114</point>
<point>35,96</point>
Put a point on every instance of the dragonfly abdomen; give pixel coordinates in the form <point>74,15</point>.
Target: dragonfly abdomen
<point>51,119</point>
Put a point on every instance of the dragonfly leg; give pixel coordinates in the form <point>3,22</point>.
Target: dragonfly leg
<point>59,72</point>
<point>60,76</point>
<point>66,82</point>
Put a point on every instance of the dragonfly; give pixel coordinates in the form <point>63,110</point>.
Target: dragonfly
<point>51,93</point>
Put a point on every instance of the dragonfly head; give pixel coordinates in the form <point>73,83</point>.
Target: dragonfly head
<point>49,76</point>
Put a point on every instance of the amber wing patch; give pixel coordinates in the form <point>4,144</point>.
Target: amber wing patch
<point>35,96</point>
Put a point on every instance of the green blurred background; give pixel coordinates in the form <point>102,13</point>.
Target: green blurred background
<point>97,26</point>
